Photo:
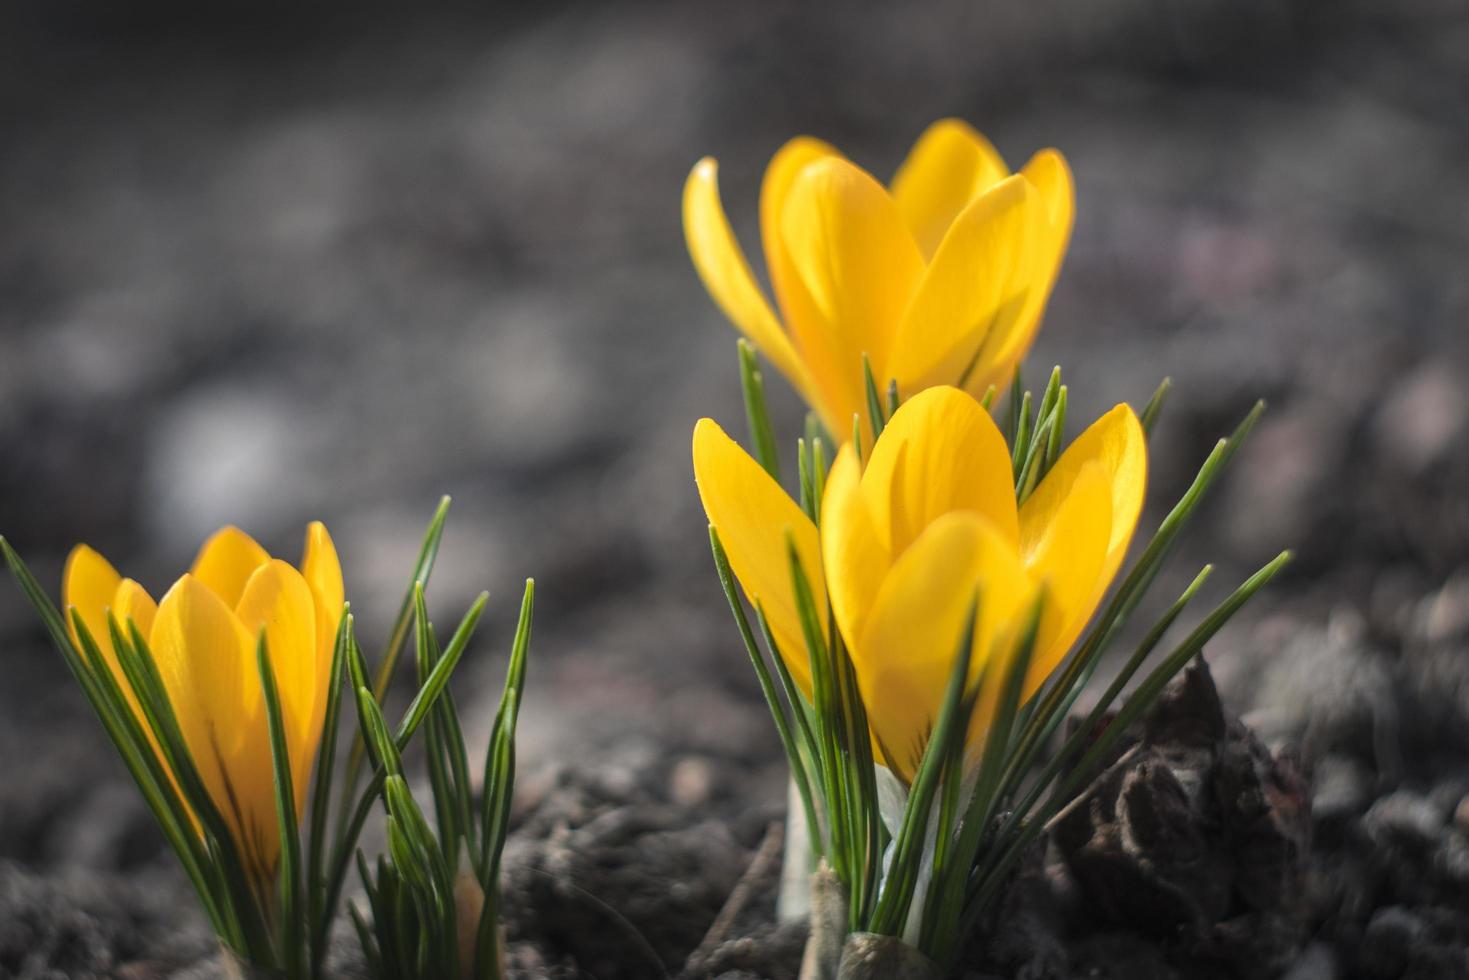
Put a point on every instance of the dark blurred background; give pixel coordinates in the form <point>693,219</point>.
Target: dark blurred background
<point>261,264</point>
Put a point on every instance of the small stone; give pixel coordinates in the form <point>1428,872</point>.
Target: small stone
<point>691,782</point>
<point>1445,614</point>
<point>1389,941</point>
<point>1461,815</point>
<point>1342,789</point>
<point>1451,860</point>
<point>1422,417</point>
<point>1318,962</point>
<point>1406,818</point>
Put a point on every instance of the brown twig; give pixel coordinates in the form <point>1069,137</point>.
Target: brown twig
<point>739,897</point>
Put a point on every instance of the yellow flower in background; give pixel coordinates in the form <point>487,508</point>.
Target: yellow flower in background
<point>203,637</point>
<point>940,278</point>
<point>906,541</point>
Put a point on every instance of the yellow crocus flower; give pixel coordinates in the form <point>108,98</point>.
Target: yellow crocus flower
<point>907,541</point>
<point>940,278</point>
<point>203,637</point>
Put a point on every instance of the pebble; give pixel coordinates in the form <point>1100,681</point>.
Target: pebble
<point>1389,941</point>
<point>1317,962</point>
<point>691,781</point>
<point>1341,789</point>
<point>1461,815</point>
<point>1451,860</point>
<point>1406,817</point>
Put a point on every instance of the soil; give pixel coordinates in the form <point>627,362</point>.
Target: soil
<point>262,266</point>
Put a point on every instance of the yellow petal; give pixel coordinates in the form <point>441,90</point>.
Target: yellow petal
<point>226,562</point>
<point>1051,175</point>
<point>1116,443</point>
<point>858,264</point>
<point>1006,348</point>
<point>784,168</point>
<point>801,317</point>
<point>1067,553</point>
<point>207,662</point>
<point>856,560</point>
<point>753,516</point>
<point>726,273</point>
<point>940,452</point>
<point>323,573</point>
<point>88,583</point>
<point>974,286</point>
<point>907,650</point>
<point>278,601</point>
<point>1062,523</point>
<point>91,586</point>
<point>132,601</point>
<point>949,166</point>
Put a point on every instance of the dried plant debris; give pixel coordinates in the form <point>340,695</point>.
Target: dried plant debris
<point>1195,837</point>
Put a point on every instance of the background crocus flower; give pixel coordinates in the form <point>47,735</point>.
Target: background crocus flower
<point>907,542</point>
<point>203,637</point>
<point>940,278</point>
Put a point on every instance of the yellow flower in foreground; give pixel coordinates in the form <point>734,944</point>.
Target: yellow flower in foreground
<point>939,279</point>
<point>203,636</point>
<point>905,543</point>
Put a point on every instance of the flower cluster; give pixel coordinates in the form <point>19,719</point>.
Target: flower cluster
<point>224,699</point>
<point>908,541</point>
<point>934,594</point>
<point>940,278</point>
<point>203,636</point>
<point>929,596</point>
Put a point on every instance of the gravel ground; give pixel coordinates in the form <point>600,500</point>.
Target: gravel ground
<point>263,266</point>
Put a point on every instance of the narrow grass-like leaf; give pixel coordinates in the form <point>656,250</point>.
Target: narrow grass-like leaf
<point>457,758</point>
<point>808,747</point>
<point>369,945</point>
<point>426,655</point>
<point>1051,393</point>
<point>422,570</point>
<point>439,676</point>
<point>1058,432</point>
<point>952,724</point>
<point>767,685</point>
<point>1013,409</point>
<point>499,776</point>
<point>831,767</point>
<point>292,912</point>
<point>383,749</point>
<point>1154,407</point>
<point>805,479</point>
<point>321,791</point>
<point>863,818</point>
<point>1033,466</point>
<point>1021,444</point>
<point>757,412</point>
<point>820,465</point>
<point>875,417</point>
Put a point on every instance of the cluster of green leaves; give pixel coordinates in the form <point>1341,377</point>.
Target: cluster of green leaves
<point>278,923</point>
<point>435,897</point>
<point>969,816</point>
